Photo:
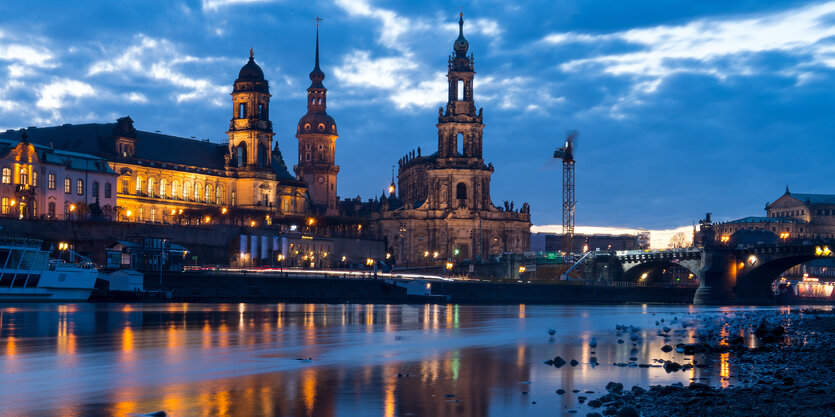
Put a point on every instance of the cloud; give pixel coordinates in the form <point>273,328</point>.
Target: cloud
<point>159,60</point>
<point>54,95</point>
<point>214,5</point>
<point>359,69</point>
<point>394,27</point>
<point>700,45</point>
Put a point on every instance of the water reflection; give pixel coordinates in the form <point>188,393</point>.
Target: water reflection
<point>390,360</point>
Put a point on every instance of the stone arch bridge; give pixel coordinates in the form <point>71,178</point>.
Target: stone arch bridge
<point>727,275</point>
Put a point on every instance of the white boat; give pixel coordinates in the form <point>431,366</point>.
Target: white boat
<point>28,274</point>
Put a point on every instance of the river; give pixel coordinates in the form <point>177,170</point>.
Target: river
<point>326,359</point>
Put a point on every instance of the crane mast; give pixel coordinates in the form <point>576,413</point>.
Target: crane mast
<point>566,153</point>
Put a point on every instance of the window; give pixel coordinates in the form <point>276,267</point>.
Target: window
<point>186,190</point>
<point>79,187</point>
<point>262,114</point>
<point>7,176</point>
<point>240,154</point>
<point>153,215</point>
<point>34,178</point>
<point>141,213</point>
<point>51,181</point>
<point>150,187</point>
<point>232,198</point>
<point>242,110</point>
<point>24,177</point>
<point>460,89</point>
<point>219,196</point>
<point>162,188</point>
<point>4,205</point>
<point>125,189</point>
<point>197,189</point>
<point>107,190</point>
<point>207,196</point>
<point>461,191</point>
<point>95,190</point>
<point>138,185</point>
<point>459,147</point>
<point>51,212</point>
<point>174,189</point>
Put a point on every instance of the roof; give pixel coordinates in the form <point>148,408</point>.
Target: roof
<point>74,160</point>
<point>815,198</point>
<point>97,139</point>
<point>757,219</point>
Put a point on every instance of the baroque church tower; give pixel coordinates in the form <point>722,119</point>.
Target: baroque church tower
<point>251,135</point>
<point>317,136</point>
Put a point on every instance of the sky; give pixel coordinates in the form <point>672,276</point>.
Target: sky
<point>682,107</point>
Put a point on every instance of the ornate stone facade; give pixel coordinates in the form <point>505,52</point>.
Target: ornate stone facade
<point>444,209</point>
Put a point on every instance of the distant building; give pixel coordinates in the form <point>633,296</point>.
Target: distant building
<point>791,216</point>
<point>443,209</point>
<point>553,242</point>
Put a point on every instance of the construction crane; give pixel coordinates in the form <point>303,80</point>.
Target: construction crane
<point>566,153</point>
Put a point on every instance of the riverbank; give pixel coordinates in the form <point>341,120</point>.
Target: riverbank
<point>791,374</point>
<point>263,288</point>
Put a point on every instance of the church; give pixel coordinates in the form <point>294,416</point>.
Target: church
<point>156,178</point>
<point>443,208</point>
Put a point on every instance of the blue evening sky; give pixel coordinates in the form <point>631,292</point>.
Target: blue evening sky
<point>682,106</point>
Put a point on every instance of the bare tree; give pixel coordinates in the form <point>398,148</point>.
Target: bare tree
<point>679,240</point>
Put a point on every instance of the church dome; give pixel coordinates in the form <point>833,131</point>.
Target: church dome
<point>251,71</point>
<point>321,123</point>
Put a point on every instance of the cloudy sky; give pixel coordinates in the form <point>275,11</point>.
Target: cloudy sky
<point>683,107</point>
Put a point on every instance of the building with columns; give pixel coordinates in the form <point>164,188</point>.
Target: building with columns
<point>169,179</point>
<point>443,209</point>
<point>317,136</point>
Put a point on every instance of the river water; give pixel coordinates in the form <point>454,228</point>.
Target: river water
<point>326,360</point>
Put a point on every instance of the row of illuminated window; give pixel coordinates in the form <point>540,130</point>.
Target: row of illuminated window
<point>52,183</point>
<point>262,111</point>
<point>152,188</point>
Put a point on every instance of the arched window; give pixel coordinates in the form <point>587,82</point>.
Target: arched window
<point>461,191</point>
<point>241,155</point>
<point>242,110</point>
<point>174,189</point>
<point>95,189</point>
<point>460,144</point>
<point>24,176</point>
<point>207,196</point>
<point>67,185</point>
<point>79,187</point>
<point>460,89</point>
<point>219,195</point>
<point>5,205</point>
<point>186,190</point>
<point>150,187</point>
<point>262,111</point>
<point>138,185</point>
<point>162,188</point>
<point>7,176</point>
<point>197,189</point>
<point>51,210</point>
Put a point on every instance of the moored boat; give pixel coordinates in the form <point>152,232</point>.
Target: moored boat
<point>28,274</point>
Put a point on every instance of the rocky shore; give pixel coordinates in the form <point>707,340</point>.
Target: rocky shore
<point>782,364</point>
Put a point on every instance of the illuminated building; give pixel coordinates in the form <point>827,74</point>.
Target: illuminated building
<point>43,182</point>
<point>443,203</point>
<point>169,179</point>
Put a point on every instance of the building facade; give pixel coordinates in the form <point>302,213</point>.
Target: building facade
<point>443,209</point>
<point>42,182</point>
<point>791,216</point>
<point>169,179</point>
<point>317,136</point>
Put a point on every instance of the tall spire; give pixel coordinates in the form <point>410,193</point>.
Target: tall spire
<point>317,75</point>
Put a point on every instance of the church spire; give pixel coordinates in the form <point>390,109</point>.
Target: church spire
<point>317,93</point>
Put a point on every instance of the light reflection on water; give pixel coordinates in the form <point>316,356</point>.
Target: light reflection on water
<point>390,360</point>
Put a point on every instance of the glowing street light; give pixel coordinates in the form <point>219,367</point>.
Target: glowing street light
<point>223,210</point>
<point>522,269</point>
<point>449,265</point>
<point>72,207</point>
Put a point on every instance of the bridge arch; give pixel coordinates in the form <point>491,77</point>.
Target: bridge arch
<point>753,282</point>
<point>660,270</point>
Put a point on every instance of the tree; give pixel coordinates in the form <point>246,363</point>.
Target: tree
<point>679,240</point>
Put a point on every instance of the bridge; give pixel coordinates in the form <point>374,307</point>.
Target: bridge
<point>742,274</point>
